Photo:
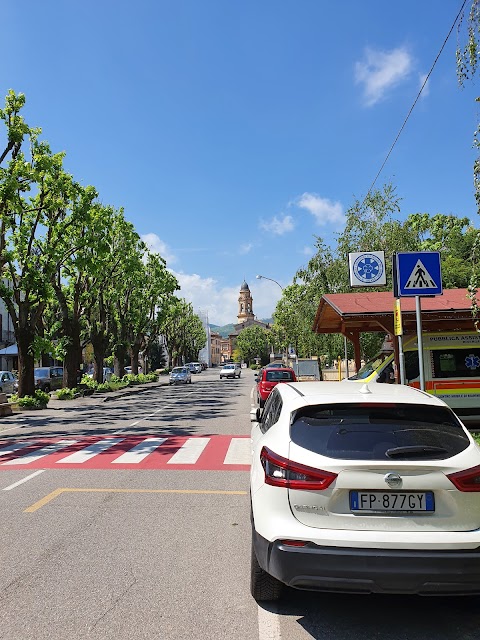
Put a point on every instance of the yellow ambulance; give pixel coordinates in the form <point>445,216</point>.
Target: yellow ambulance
<point>451,364</point>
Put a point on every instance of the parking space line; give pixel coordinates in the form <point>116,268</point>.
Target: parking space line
<point>57,492</point>
<point>268,625</point>
<point>17,484</point>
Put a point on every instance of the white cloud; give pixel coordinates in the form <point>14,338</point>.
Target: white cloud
<point>381,71</point>
<point>278,226</point>
<point>221,303</point>
<point>322,209</point>
<point>308,251</point>
<point>156,245</point>
<point>426,89</point>
<point>245,248</point>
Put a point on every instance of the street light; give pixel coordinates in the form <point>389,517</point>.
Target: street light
<point>259,277</point>
<point>271,280</point>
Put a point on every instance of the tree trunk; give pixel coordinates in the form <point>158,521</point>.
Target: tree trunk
<point>26,362</point>
<point>120,356</point>
<point>73,354</point>
<point>134,351</point>
<point>99,343</point>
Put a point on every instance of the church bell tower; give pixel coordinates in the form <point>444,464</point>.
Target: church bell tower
<point>245,304</point>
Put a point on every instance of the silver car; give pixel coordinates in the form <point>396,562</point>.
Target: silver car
<point>8,382</point>
<point>179,375</point>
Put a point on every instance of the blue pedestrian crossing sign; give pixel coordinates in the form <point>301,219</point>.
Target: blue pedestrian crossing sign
<point>418,273</point>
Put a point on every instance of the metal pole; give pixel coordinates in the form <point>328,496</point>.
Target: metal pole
<point>418,310</point>
<point>401,358</point>
<point>346,355</point>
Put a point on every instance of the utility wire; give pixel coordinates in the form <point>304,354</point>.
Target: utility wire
<point>416,100</point>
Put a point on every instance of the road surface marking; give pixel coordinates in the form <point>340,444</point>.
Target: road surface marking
<point>57,492</point>
<point>16,484</point>
<point>189,452</point>
<point>139,452</point>
<point>33,456</point>
<point>123,429</point>
<point>90,452</point>
<point>239,451</point>
<point>15,447</point>
<point>268,625</point>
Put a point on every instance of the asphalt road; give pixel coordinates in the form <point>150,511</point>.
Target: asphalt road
<point>157,546</point>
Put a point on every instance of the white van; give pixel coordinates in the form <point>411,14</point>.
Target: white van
<point>451,363</point>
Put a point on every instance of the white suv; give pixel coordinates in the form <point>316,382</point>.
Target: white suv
<point>365,489</point>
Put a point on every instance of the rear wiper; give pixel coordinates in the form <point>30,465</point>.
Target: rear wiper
<point>415,450</point>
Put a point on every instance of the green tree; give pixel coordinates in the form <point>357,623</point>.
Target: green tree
<point>252,342</point>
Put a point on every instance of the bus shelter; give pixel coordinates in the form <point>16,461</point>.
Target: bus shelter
<point>353,313</point>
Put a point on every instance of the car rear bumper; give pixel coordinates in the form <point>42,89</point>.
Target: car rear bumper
<point>352,570</point>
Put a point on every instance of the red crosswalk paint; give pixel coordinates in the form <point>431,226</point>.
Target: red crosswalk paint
<point>153,451</point>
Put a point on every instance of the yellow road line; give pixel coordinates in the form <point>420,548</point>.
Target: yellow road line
<point>54,494</point>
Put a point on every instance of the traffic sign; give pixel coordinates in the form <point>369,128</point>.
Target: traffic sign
<point>418,273</point>
<point>367,269</point>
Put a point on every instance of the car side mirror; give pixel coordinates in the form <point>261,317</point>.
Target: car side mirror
<point>256,415</point>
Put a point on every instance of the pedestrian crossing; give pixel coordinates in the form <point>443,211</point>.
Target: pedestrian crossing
<point>212,453</point>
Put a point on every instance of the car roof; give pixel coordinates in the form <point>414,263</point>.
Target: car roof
<point>349,391</point>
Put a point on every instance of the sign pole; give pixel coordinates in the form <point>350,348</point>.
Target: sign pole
<point>399,333</point>
<point>418,310</point>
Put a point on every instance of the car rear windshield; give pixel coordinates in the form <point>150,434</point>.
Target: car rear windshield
<point>42,373</point>
<point>379,431</point>
<point>277,376</point>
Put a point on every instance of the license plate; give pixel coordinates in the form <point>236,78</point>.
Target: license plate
<point>392,501</point>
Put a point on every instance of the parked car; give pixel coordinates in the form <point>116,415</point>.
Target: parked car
<point>195,367</point>
<point>48,378</point>
<point>107,373</point>
<point>368,488</point>
<point>232,370</point>
<point>267,378</point>
<point>8,382</point>
<point>180,375</point>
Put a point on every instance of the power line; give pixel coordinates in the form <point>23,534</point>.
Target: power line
<point>416,99</point>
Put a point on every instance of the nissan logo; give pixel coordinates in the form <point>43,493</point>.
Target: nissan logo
<point>393,480</point>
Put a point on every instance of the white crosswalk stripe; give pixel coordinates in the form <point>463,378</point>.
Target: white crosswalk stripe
<point>239,451</point>
<point>15,447</point>
<point>139,452</point>
<point>89,452</point>
<point>33,456</point>
<point>190,452</point>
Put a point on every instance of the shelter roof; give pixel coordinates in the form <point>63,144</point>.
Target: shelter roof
<point>373,311</point>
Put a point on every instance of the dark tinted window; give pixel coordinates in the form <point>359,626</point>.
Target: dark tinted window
<point>456,363</point>
<point>278,376</point>
<point>379,431</point>
<point>271,412</point>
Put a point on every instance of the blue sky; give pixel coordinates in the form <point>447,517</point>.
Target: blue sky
<point>233,133</point>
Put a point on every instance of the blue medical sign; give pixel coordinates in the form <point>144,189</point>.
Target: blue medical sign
<point>418,273</point>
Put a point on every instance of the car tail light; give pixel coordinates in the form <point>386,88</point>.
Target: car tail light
<point>468,480</point>
<point>280,472</point>
<point>294,543</point>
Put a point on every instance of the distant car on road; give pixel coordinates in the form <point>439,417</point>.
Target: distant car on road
<point>195,367</point>
<point>180,375</point>
<point>8,382</point>
<point>232,370</point>
<point>48,378</point>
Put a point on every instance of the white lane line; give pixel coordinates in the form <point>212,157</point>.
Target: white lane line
<point>140,451</point>
<point>33,456</point>
<point>16,484</point>
<point>268,625</point>
<point>140,420</point>
<point>89,452</point>
<point>15,447</point>
<point>189,452</point>
<point>239,451</point>
<point>19,426</point>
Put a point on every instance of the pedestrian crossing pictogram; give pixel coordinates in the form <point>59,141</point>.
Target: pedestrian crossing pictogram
<point>212,453</point>
<point>420,278</point>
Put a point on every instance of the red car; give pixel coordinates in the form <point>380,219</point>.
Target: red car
<point>269,378</point>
